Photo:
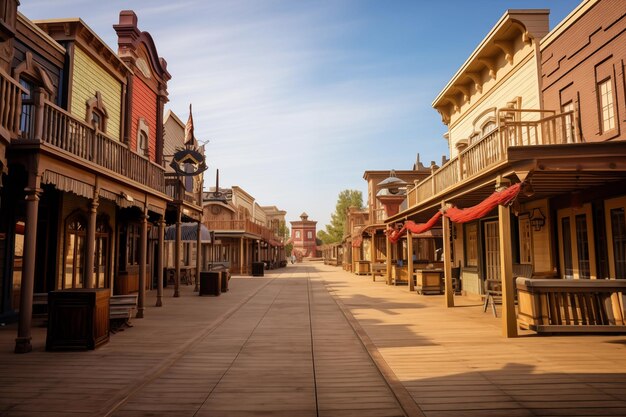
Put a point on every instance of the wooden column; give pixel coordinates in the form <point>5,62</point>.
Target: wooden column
<point>241,256</point>
<point>409,261</point>
<point>177,252</point>
<point>198,253</point>
<point>91,242</point>
<point>22,342</point>
<point>161,254</point>
<point>509,319</point>
<point>143,260</point>
<point>388,261</point>
<point>447,260</point>
<point>373,254</point>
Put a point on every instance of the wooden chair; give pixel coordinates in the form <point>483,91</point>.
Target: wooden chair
<point>493,287</point>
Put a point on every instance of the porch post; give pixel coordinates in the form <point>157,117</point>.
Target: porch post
<point>509,320</point>
<point>241,256</point>
<point>372,253</point>
<point>177,252</point>
<point>409,261</point>
<point>159,300</point>
<point>447,260</point>
<point>198,253</point>
<point>91,241</point>
<point>388,263</point>
<point>22,342</point>
<point>143,252</point>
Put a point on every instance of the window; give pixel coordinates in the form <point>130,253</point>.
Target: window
<point>309,235</point>
<point>582,246</point>
<point>298,234</point>
<point>96,113</point>
<point>74,265</point>
<point>101,258</point>
<point>26,118</point>
<point>488,127</point>
<point>132,244</point>
<point>525,241</point>
<point>607,108</point>
<point>471,244</point>
<point>492,250</point>
<point>143,135</point>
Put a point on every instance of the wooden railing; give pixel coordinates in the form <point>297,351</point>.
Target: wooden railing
<point>10,103</point>
<point>55,126</point>
<point>247,226</point>
<point>516,128</point>
<point>563,305</point>
<point>175,188</point>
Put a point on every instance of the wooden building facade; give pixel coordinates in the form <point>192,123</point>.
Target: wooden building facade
<point>534,114</point>
<point>79,197</point>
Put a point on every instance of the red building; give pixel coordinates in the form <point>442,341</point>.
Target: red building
<point>303,237</point>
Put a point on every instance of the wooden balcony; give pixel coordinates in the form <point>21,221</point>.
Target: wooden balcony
<point>55,127</point>
<point>10,103</point>
<point>516,128</point>
<point>175,188</point>
<point>243,226</point>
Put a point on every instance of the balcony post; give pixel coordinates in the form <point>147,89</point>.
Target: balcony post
<point>509,320</point>
<point>161,253</point>
<point>177,252</point>
<point>198,253</point>
<point>39,100</point>
<point>447,260</point>
<point>373,254</point>
<point>409,261</point>
<point>388,261</point>
<point>91,241</point>
<point>22,342</point>
<point>143,260</point>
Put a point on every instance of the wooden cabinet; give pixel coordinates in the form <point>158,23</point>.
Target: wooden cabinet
<point>362,267</point>
<point>428,281</point>
<point>78,319</point>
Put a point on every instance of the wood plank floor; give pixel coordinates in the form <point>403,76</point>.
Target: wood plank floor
<point>313,340</point>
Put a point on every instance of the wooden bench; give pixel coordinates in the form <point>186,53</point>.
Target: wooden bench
<point>121,309</point>
<point>493,287</point>
<point>378,268</point>
<point>571,305</point>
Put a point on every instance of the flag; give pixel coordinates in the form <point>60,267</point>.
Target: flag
<point>189,138</point>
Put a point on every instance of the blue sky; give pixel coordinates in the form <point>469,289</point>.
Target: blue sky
<point>298,98</point>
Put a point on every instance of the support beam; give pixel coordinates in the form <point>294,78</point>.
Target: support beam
<point>91,241</point>
<point>373,254</point>
<point>409,254</point>
<point>198,256</point>
<point>509,320</point>
<point>177,252</point>
<point>447,260</point>
<point>143,260</point>
<point>22,342</point>
<point>161,254</point>
<point>241,256</point>
<point>388,261</point>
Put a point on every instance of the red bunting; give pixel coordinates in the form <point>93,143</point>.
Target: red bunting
<point>417,228</point>
<point>481,209</point>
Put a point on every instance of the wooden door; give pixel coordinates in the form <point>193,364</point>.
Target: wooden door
<point>615,215</point>
<point>576,247</point>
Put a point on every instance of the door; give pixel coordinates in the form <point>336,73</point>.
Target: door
<point>576,248</point>
<point>615,215</point>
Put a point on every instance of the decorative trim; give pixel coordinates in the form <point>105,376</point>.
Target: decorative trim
<point>68,184</point>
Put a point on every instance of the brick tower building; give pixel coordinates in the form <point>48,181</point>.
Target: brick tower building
<point>303,236</point>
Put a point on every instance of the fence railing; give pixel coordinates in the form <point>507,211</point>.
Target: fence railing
<point>517,127</point>
<point>247,226</point>
<point>58,128</point>
<point>10,103</point>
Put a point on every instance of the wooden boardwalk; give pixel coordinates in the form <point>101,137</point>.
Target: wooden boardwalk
<point>313,340</point>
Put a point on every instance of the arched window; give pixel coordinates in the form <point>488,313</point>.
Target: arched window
<point>74,258</point>
<point>143,135</point>
<point>97,113</point>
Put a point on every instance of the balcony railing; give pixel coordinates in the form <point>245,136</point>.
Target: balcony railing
<point>10,103</point>
<point>547,128</point>
<point>247,226</point>
<point>175,188</point>
<point>56,127</point>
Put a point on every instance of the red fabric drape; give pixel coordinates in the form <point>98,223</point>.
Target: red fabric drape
<point>417,228</point>
<point>481,209</point>
<point>356,243</point>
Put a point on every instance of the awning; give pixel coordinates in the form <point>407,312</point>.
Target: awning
<point>188,233</point>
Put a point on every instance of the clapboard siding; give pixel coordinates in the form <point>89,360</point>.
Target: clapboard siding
<point>522,82</point>
<point>90,77</point>
<point>144,106</point>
